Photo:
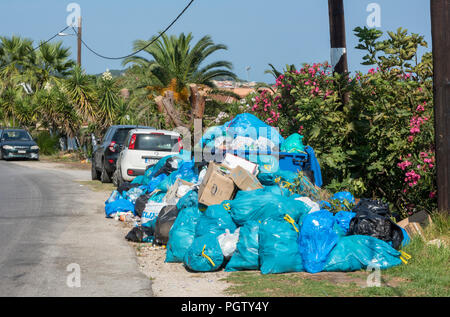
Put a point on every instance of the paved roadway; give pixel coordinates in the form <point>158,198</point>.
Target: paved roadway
<point>49,225</point>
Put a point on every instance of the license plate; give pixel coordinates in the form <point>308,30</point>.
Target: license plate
<point>21,152</point>
<point>150,161</point>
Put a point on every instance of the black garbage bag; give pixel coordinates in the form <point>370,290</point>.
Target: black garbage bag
<point>140,204</point>
<point>376,206</point>
<point>124,187</point>
<point>168,167</point>
<point>140,234</point>
<point>373,219</point>
<point>164,223</point>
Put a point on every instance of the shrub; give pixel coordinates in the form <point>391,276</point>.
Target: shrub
<point>48,144</point>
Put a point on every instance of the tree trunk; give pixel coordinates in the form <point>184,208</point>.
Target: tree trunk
<point>197,100</point>
<point>166,104</point>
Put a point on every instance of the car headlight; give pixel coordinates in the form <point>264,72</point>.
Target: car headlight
<point>8,147</point>
<point>34,147</point>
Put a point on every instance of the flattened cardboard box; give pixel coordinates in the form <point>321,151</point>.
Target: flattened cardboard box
<point>216,186</point>
<point>244,180</point>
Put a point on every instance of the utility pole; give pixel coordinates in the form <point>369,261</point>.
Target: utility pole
<point>337,36</point>
<point>440,31</point>
<point>338,41</point>
<point>79,41</point>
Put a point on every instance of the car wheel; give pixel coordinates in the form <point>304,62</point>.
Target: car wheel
<point>115,178</point>
<point>1,155</point>
<point>94,173</point>
<point>104,176</point>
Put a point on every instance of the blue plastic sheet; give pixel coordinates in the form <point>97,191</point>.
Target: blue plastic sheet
<point>182,234</point>
<point>246,255</point>
<point>215,220</point>
<point>204,255</point>
<point>313,165</point>
<point>353,253</point>
<point>278,249</point>
<point>317,239</point>
<point>120,205</point>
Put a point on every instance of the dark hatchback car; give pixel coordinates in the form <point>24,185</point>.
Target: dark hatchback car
<point>17,143</point>
<point>105,156</point>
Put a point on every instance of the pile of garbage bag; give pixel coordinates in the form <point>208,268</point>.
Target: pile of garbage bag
<point>234,215</point>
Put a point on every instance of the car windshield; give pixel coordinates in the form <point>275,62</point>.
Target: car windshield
<point>120,136</point>
<point>19,135</point>
<point>156,142</point>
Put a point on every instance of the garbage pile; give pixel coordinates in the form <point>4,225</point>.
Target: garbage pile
<point>256,206</point>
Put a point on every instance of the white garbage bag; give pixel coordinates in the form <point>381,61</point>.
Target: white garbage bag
<point>228,241</point>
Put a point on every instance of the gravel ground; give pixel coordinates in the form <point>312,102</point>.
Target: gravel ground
<point>172,279</point>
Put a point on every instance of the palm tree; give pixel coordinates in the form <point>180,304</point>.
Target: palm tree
<point>80,90</point>
<point>176,64</point>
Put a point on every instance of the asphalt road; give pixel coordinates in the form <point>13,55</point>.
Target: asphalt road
<point>55,239</point>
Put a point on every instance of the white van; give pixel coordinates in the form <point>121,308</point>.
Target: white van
<point>144,148</point>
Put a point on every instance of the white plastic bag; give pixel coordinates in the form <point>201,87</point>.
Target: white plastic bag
<point>314,206</point>
<point>228,241</point>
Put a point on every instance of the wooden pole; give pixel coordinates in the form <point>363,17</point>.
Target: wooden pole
<point>440,31</point>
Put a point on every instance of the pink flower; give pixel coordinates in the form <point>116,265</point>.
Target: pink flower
<point>372,71</point>
<point>432,194</point>
<point>420,108</point>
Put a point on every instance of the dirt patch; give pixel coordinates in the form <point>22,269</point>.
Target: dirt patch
<point>172,279</point>
<point>67,164</point>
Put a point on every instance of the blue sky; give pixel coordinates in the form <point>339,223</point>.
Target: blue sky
<point>257,32</point>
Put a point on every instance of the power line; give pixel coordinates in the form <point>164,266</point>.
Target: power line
<point>140,50</point>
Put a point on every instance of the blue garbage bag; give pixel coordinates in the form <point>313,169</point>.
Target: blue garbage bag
<point>119,205</point>
<point>204,255</point>
<point>313,165</point>
<point>293,144</point>
<point>406,238</point>
<point>188,200</point>
<point>215,220</point>
<point>277,177</point>
<point>158,197</point>
<point>246,255</point>
<point>317,239</point>
<point>154,182</point>
<point>182,234</point>
<point>278,246</point>
<point>260,205</point>
<point>343,219</point>
<point>138,180</point>
<point>115,195</point>
<point>353,253</point>
<point>346,198</point>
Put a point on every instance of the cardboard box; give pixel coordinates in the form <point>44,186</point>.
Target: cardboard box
<point>244,180</point>
<point>217,185</point>
<point>415,223</point>
<point>233,161</point>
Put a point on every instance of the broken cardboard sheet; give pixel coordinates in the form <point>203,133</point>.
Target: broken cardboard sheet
<point>415,223</point>
<point>177,190</point>
<point>244,180</point>
<point>217,185</point>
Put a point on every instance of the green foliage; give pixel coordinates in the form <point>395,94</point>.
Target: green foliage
<point>380,143</point>
<point>48,144</point>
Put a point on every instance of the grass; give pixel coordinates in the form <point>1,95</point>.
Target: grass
<point>426,274</point>
<point>98,186</point>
